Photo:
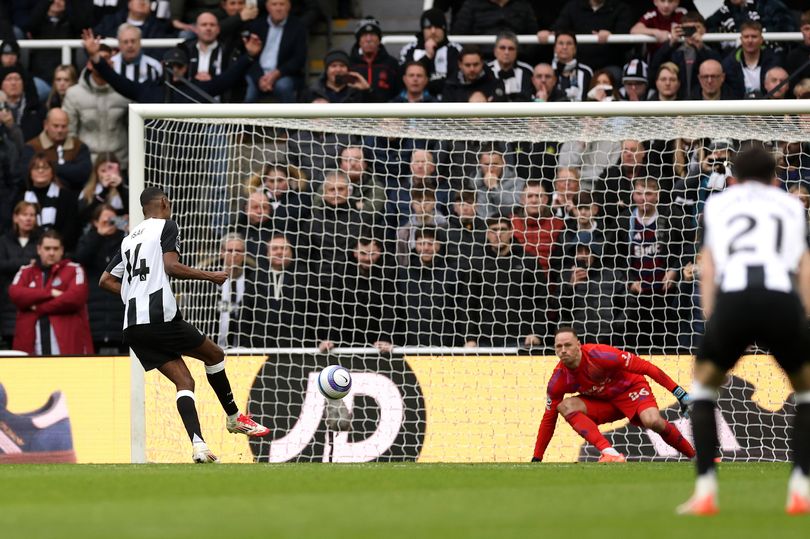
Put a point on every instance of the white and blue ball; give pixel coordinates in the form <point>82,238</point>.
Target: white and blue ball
<point>334,382</point>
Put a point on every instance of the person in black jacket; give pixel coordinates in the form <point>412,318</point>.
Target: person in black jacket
<point>18,247</point>
<point>338,84</point>
<point>428,292</point>
<point>177,89</point>
<point>139,12</point>
<point>370,59</point>
<point>433,50</point>
<point>279,72</point>
<point>481,17</point>
<point>507,293</point>
<point>96,248</point>
<point>473,75</point>
<point>21,99</point>
<point>52,19</point>
<point>11,144</point>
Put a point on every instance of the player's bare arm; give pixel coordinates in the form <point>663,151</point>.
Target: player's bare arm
<point>178,270</point>
<point>708,287</point>
<point>804,281</point>
<point>110,283</point>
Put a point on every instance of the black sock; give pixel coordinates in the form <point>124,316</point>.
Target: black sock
<point>704,430</point>
<point>188,413</point>
<point>222,387</point>
<point>801,438</point>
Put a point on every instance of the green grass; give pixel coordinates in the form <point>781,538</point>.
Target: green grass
<point>575,501</point>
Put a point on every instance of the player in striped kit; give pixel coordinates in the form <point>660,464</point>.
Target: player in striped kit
<point>153,326</point>
<point>755,279</point>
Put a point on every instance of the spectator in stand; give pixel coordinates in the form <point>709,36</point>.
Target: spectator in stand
<point>279,73</point>
<point>613,191</point>
<point>51,299</point>
<point>52,19</point>
<point>184,13</point>
<point>433,50</point>
<point>370,59</point>
<point>362,306</point>
<point>473,75</point>
<point>415,82</point>
<point>746,67</point>
<point>589,159</point>
<point>255,223</point>
<point>592,296</point>
<point>422,177</point>
<point>23,104</point>
<point>106,187</point>
<point>793,164</point>
<point>687,55</point>
<point>10,58</point>
<point>773,14</point>
<point>566,188</point>
<point>423,213</point>
<point>802,89</point>
<point>514,77</point>
<point>603,87</point>
<point>658,23</point>
<point>368,193</point>
<point>290,208</point>
<point>64,77</point>
<point>572,75</point>
<point>130,62</point>
<point>585,227</point>
<point>691,192</point>
<point>634,81</point>
<point>226,313</point>
<point>56,206</point>
<point>429,289</point>
<point>334,224</point>
<point>507,303</point>
<point>69,155</point>
<point>799,55</point>
<point>667,82</point>
<point>18,247</point>
<point>652,243</point>
<point>284,309</point>
<point>137,13</point>
<point>233,16</point>
<point>177,62</point>
<point>482,17</point>
<point>96,248</point>
<point>466,233</point>
<point>599,17</point>
<point>208,57</point>
<point>544,80</point>
<point>536,228</point>
<point>498,187</point>
<point>774,77</point>
<point>712,81</point>
<point>96,10</point>
<point>314,152</point>
<point>97,114</point>
<point>338,84</point>
<point>11,145</point>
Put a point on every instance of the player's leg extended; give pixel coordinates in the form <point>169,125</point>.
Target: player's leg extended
<point>799,486</point>
<point>214,359</point>
<point>708,378</point>
<point>651,419</point>
<point>578,414</point>
<point>177,372</point>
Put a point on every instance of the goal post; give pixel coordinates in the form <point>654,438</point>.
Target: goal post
<point>450,389</point>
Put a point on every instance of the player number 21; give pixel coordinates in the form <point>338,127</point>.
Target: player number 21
<point>636,394</point>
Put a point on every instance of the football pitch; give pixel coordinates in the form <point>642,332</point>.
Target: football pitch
<point>387,501</point>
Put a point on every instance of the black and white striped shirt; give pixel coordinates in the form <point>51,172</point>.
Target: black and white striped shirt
<point>145,288</point>
<point>757,235</point>
<point>142,69</point>
<point>517,85</point>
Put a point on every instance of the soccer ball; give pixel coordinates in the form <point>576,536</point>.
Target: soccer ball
<point>334,382</point>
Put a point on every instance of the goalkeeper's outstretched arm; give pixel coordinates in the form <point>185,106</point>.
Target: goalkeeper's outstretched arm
<point>546,430</point>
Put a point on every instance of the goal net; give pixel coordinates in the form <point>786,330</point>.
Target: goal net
<point>434,250</point>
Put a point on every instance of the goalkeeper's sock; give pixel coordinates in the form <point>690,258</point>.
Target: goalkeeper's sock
<point>221,386</point>
<point>704,429</point>
<point>585,427</point>
<point>188,413</point>
<point>801,433</point>
<point>674,438</point>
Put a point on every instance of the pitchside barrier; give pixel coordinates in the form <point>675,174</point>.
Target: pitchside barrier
<point>413,408</point>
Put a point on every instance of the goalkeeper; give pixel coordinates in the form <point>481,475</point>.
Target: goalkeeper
<point>610,384</point>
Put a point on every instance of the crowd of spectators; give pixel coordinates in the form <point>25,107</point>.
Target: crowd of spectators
<point>373,240</point>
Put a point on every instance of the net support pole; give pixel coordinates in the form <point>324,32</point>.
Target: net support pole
<point>137,407</point>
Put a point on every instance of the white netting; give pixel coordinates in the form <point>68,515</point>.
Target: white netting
<point>426,232</point>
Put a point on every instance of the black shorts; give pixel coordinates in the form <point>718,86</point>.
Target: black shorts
<point>774,320</point>
<point>156,344</point>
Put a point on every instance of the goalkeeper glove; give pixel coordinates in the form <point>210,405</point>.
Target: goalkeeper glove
<point>683,399</point>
